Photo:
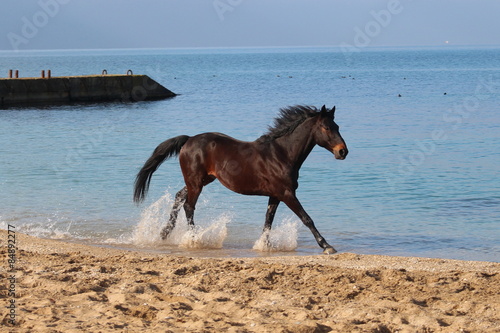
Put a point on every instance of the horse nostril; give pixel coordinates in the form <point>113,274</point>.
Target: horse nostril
<point>343,152</point>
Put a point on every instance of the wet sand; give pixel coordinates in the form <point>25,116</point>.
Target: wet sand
<point>67,287</point>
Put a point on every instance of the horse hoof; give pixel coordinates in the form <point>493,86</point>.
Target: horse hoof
<point>329,250</point>
<point>165,232</point>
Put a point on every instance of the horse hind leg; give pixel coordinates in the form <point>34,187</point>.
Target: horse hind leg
<point>190,204</point>
<point>193,193</point>
<point>180,198</point>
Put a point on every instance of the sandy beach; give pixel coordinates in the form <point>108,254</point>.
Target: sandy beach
<point>67,287</point>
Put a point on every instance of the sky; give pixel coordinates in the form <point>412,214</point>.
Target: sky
<point>108,24</point>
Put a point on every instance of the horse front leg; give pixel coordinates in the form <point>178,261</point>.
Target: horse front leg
<point>180,198</point>
<point>271,211</point>
<point>293,203</point>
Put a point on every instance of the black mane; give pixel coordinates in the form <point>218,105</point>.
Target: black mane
<point>287,121</point>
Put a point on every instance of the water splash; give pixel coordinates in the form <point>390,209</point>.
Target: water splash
<point>209,236</point>
<point>282,238</point>
<point>206,234</point>
<point>147,231</point>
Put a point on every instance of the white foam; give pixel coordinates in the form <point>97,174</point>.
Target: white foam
<point>52,228</point>
<point>282,238</point>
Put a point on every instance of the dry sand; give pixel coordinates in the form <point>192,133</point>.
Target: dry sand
<point>65,287</point>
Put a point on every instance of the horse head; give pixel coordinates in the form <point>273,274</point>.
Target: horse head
<point>327,134</point>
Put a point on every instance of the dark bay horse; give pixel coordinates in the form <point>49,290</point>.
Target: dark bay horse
<point>268,166</point>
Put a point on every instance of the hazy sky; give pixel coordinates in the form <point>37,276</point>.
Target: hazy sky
<point>95,24</point>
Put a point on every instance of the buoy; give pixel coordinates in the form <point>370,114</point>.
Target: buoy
<point>399,95</point>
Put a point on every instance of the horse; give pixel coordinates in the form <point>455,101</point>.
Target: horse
<point>268,166</point>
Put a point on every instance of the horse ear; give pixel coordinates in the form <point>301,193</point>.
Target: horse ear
<point>323,110</point>
<point>333,111</point>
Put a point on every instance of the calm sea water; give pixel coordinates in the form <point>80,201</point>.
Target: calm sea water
<point>422,126</point>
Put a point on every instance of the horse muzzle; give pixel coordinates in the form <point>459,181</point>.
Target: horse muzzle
<point>340,152</point>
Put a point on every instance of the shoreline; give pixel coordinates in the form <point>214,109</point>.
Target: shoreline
<point>71,287</point>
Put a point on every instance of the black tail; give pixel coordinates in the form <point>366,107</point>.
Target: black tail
<point>165,150</point>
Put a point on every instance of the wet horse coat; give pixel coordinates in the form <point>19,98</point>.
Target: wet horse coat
<point>268,166</point>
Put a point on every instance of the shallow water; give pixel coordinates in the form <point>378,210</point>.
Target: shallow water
<point>421,178</point>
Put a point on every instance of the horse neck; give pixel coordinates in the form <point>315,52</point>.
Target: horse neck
<point>299,143</point>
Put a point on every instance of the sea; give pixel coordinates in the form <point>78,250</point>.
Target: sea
<point>422,125</point>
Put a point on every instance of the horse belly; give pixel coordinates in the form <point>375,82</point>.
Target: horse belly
<point>241,185</point>
<point>246,178</point>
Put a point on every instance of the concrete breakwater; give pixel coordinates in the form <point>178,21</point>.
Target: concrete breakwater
<point>74,89</point>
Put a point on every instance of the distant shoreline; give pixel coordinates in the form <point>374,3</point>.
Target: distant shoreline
<point>313,48</point>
